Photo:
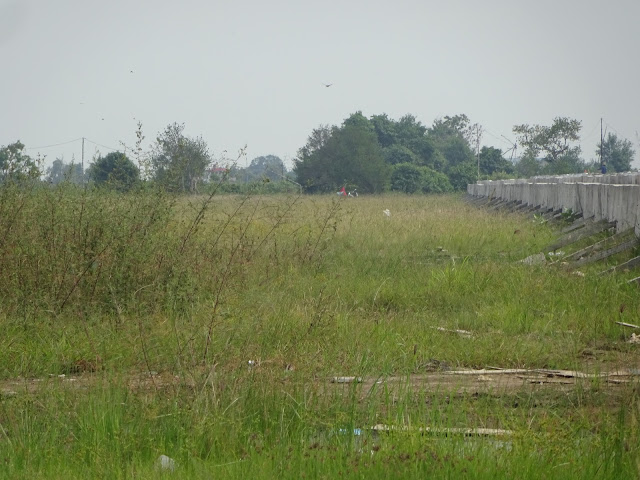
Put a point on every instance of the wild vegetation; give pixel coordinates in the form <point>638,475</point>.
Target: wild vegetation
<point>370,155</point>
<point>209,329</point>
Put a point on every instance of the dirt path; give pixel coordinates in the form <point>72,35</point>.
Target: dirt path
<point>492,381</point>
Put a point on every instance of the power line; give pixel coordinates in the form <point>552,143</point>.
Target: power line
<point>495,135</point>
<point>54,145</point>
<point>103,146</point>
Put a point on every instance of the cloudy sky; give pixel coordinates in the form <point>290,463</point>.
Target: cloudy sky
<point>252,72</point>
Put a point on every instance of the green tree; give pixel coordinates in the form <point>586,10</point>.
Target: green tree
<point>450,138</point>
<point>360,121</point>
<point>266,167</point>
<point>458,125</point>
<point>15,165</point>
<point>406,178</point>
<point>385,130</point>
<point>616,153</point>
<point>396,154</point>
<point>411,178</point>
<point>435,182</point>
<point>115,171</point>
<point>350,157</point>
<point>552,141</point>
<point>456,151</point>
<point>462,174</point>
<point>570,162</point>
<point>179,162</point>
<point>492,161</point>
<point>318,139</point>
<point>528,166</point>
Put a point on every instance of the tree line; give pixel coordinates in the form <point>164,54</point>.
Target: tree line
<point>373,155</point>
<point>379,154</point>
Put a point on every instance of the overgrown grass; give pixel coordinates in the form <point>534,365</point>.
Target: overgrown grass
<point>207,329</point>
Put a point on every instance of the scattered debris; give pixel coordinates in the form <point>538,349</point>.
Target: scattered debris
<point>634,338</point>
<point>464,333</point>
<point>578,273</point>
<point>559,253</point>
<point>8,393</point>
<point>630,325</point>
<point>536,259</point>
<point>165,463</point>
<point>387,212</point>
<point>346,380</point>
<point>543,371</point>
<point>467,432</point>
<point>435,365</point>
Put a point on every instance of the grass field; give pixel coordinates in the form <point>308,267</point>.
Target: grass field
<point>210,330</point>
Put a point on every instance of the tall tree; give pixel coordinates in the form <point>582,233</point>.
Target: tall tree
<point>179,162</point>
<point>616,153</point>
<point>359,120</point>
<point>451,138</point>
<point>350,157</point>
<point>269,166</point>
<point>528,166</point>
<point>114,171</point>
<point>456,125</point>
<point>318,139</point>
<point>492,161</point>
<point>553,141</point>
<point>15,165</point>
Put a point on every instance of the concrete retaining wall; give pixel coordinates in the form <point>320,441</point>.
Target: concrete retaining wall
<point>614,197</point>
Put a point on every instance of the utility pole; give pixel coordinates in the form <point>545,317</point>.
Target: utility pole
<point>601,140</point>
<point>82,161</point>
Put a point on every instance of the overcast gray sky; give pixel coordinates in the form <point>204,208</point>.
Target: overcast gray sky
<point>251,72</point>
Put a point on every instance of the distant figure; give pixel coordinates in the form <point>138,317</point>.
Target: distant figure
<point>353,193</point>
<point>603,168</point>
<point>343,192</point>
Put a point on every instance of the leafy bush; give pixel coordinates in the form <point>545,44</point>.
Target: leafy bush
<point>410,178</point>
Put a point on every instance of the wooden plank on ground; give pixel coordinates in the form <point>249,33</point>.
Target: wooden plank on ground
<point>607,253</point>
<point>582,233</point>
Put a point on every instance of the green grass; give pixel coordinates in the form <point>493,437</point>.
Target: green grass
<point>105,289</point>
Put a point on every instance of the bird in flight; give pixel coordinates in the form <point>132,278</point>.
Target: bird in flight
<point>327,84</point>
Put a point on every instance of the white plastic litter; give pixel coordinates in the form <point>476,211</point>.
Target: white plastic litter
<point>165,463</point>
